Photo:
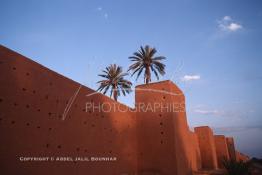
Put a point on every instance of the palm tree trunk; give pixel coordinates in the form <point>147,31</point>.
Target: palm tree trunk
<point>148,75</point>
<point>115,93</point>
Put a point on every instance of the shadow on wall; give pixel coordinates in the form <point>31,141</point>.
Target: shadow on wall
<point>44,114</point>
<point>33,101</point>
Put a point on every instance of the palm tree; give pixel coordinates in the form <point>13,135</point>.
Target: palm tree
<point>144,59</point>
<point>114,80</point>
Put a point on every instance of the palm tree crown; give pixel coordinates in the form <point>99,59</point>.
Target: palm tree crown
<point>114,80</point>
<point>145,59</point>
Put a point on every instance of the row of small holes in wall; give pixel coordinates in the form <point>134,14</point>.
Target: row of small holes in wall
<point>59,146</point>
<point>28,106</point>
<point>50,83</point>
<point>77,149</point>
<point>27,124</point>
<point>16,104</point>
<point>93,125</point>
<point>28,74</point>
<point>57,101</point>
<point>162,133</point>
<point>34,91</point>
<point>50,113</point>
<point>46,97</point>
<point>96,114</point>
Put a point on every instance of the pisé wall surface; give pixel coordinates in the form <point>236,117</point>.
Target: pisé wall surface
<point>231,148</point>
<point>43,113</point>
<point>33,100</point>
<point>165,144</point>
<point>221,149</point>
<point>196,161</point>
<point>155,132</point>
<point>207,147</point>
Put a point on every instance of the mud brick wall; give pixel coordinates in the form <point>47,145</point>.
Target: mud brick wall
<point>155,132</point>
<point>207,147</point>
<point>195,152</point>
<point>43,113</point>
<point>33,100</point>
<point>221,149</point>
<point>231,148</point>
<point>164,140</point>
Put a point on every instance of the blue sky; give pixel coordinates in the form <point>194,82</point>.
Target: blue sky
<point>213,50</point>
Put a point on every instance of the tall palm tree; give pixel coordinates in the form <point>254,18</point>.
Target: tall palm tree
<point>145,59</point>
<point>114,80</point>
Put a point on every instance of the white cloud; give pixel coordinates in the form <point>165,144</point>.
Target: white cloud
<point>190,77</point>
<point>206,112</point>
<point>234,26</point>
<point>99,8</point>
<point>228,24</point>
<point>227,18</point>
<point>106,15</point>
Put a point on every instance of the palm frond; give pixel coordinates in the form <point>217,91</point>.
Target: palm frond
<point>114,79</point>
<point>140,71</point>
<point>155,72</point>
<point>144,59</point>
<point>158,58</point>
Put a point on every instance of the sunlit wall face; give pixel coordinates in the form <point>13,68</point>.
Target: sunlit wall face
<point>213,51</point>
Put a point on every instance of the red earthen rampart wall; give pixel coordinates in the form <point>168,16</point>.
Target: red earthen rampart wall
<point>207,147</point>
<point>33,100</point>
<point>231,148</point>
<point>221,149</point>
<point>43,113</point>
